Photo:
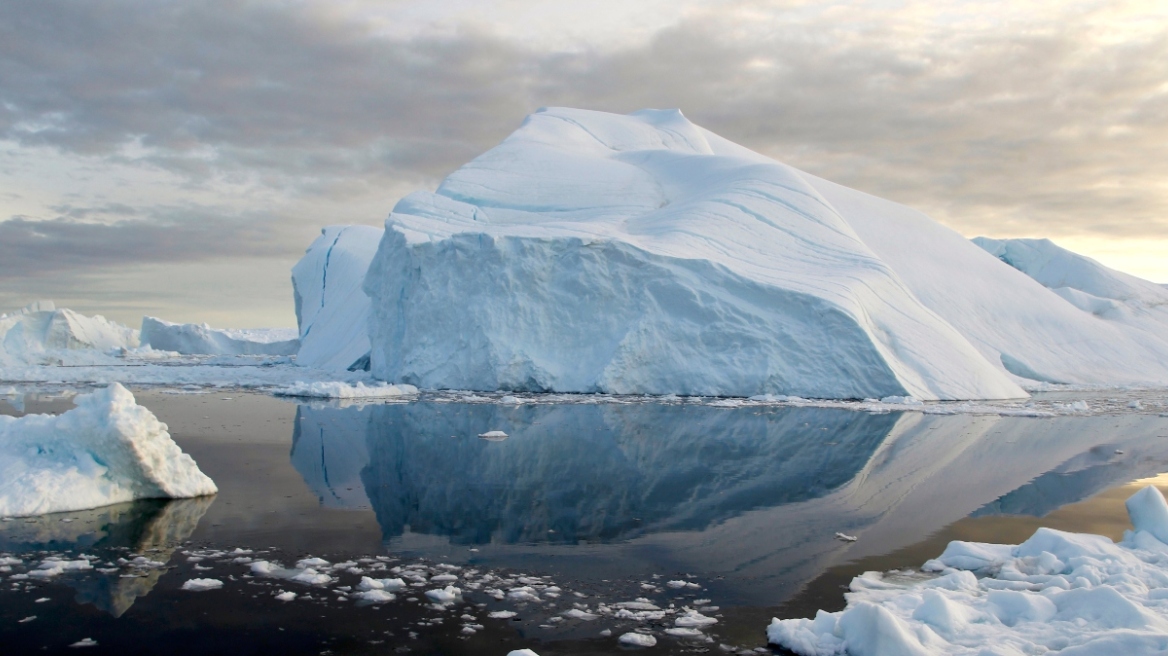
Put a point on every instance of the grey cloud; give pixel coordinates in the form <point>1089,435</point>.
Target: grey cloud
<point>39,248</point>
<point>1043,132</point>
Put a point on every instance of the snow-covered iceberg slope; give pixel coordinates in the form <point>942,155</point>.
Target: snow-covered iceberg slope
<point>1057,592</point>
<point>643,254</point>
<point>42,328</point>
<point>195,339</point>
<point>331,309</point>
<point>107,450</point>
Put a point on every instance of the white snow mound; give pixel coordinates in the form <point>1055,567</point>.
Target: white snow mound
<point>591,252</point>
<point>107,450</point>
<point>41,327</point>
<point>331,309</point>
<point>196,339</point>
<point>1058,592</point>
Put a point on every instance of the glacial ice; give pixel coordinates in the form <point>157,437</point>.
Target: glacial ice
<point>591,252</point>
<point>196,339</point>
<point>41,328</point>
<point>339,390</point>
<point>107,450</point>
<point>1057,592</point>
<point>331,309</point>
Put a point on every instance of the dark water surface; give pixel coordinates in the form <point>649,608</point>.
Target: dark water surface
<point>609,501</point>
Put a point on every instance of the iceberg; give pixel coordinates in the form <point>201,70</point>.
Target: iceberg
<point>42,328</point>
<point>1058,591</point>
<point>196,339</point>
<point>591,252</point>
<point>332,311</point>
<point>107,450</point>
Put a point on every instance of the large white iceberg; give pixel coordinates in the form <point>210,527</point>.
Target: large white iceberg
<point>42,328</point>
<point>107,450</point>
<point>331,309</point>
<point>591,252</point>
<point>1057,592</point>
<point>201,339</point>
<point>642,254</point>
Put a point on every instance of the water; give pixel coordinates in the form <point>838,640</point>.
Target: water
<point>608,501</point>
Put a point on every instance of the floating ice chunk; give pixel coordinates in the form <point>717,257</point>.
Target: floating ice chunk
<point>50,567</point>
<point>339,390</point>
<point>106,450</point>
<point>376,596</point>
<point>521,652</point>
<point>682,632</point>
<point>1057,591</point>
<point>1149,512</point>
<point>285,596</point>
<point>637,640</point>
<point>389,585</point>
<point>199,585</point>
<point>196,339</point>
<point>901,400</point>
<point>577,614</point>
<point>502,614</point>
<point>522,594</point>
<point>493,436</point>
<point>85,642</point>
<point>693,618</point>
<point>845,537</point>
<point>445,596</point>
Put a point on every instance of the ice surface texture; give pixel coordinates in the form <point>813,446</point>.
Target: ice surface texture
<point>592,252</point>
<point>1057,592</point>
<point>331,309</point>
<point>195,339</point>
<point>107,450</point>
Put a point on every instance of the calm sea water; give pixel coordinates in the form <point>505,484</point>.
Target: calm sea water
<point>595,503</point>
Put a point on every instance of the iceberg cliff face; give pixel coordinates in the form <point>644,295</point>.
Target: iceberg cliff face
<point>591,252</point>
<point>331,309</point>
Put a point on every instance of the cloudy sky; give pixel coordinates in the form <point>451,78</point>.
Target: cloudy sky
<point>175,159</point>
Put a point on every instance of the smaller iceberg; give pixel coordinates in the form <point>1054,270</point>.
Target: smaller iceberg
<point>107,450</point>
<point>1065,592</point>
<point>195,339</point>
<point>41,327</point>
<point>331,308</point>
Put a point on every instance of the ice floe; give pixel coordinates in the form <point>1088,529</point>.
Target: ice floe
<point>1057,592</point>
<point>340,390</point>
<point>107,450</point>
<point>196,339</point>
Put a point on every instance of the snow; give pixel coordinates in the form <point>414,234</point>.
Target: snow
<point>41,329</point>
<point>642,254</point>
<point>200,585</point>
<point>340,390</point>
<point>196,339</point>
<point>331,309</point>
<point>106,450</point>
<point>1057,592</point>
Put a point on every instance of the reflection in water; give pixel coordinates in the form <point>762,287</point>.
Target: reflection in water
<point>571,473</point>
<point>755,494</point>
<point>152,527</point>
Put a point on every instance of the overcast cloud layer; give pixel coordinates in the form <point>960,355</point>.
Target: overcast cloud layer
<point>136,134</point>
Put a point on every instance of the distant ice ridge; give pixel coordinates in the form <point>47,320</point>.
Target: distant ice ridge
<point>339,390</point>
<point>107,450</point>
<point>592,252</point>
<point>331,309</point>
<point>1057,592</point>
<point>195,339</point>
<point>40,328</point>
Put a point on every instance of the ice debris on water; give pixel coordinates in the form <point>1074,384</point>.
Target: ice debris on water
<point>635,639</point>
<point>845,537</point>
<point>493,436</point>
<point>1080,592</point>
<point>340,390</point>
<point>85,642</point>
<point>199,585</point>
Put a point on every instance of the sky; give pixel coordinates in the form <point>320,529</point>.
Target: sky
<point>176,158</point>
